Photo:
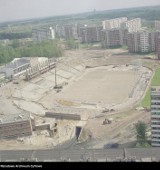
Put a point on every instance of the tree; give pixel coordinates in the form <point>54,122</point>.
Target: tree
<point>15,43</point>
<point>72,44</point>
<point>141,130</point>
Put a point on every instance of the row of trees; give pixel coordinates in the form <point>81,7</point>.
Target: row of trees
<point>12,36</point>
<point>44,49</point>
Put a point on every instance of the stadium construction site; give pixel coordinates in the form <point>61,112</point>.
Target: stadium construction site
<point>90,94</point>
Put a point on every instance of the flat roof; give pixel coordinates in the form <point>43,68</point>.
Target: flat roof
<point>14,118</point>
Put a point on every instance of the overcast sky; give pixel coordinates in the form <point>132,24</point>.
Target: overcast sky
<point>22,9</point>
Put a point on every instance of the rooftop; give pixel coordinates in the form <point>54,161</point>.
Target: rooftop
<point>14,118</point>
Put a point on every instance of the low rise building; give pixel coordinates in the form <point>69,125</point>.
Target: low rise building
<point>15,68</point>
<point>15,125</point>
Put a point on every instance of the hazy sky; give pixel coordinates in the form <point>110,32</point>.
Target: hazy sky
<point>22,9</point>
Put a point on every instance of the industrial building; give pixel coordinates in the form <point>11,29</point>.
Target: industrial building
<point>15,68</point>
<point>133,25</point>
<point>43,34</point>
<point>114,37</point>
<point>155,115</point>
<point>113,23</point>
<point>90,34</point>
<point>15,125</point>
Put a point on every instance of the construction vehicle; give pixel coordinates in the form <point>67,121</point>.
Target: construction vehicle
<point>107,121</point>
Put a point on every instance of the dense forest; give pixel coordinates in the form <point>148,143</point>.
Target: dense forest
<point>43,49</point>
<point>12,36</point>
<point>147,13</point>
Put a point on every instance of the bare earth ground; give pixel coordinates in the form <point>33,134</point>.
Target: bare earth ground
<point>96,86</point>
<point>38,95</point>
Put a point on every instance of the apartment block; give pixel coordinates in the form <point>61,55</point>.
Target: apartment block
<point>133,42</point>
<point>59,30</point>
<point>158,47</point>
<point>132,25</point>
<point>152,41</point>
<point>15,125</point>
<point>90,34</point>
<point>155,115</point>
<point>141,42</point>
<point>70,32</point>
<point>43,34</point>
<point>114,37</point>
<point>157,25</point>
<point>113,23</point>
<point>144,42</point>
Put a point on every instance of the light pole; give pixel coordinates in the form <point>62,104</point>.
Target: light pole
<point>55,75</point>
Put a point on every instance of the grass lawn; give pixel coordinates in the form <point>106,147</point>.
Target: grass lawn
<point>155,82</point>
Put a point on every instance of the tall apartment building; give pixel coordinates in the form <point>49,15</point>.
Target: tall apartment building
<point>113,23</point>
<point>114,37</point>
<point>157,25</point>
<point>158,47</point>
<point>155,115</point>
<point>43,34</point>
<point>90,34</point>
<point>59,30</point>
<point>144,42</point>
<point>133,42</point>
<point>152,41</point>
<point>15,125</point>
<point>140,42</point>
<point>70,32</point>
<point>133,25</point>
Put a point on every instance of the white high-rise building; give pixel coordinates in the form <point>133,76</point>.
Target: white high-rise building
<point>113,23</point>
<point>133,25</point>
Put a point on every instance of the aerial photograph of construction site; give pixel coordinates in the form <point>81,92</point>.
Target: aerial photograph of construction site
<point>79,82</point>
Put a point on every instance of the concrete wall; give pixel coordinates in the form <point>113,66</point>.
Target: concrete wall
<point>63,116</point>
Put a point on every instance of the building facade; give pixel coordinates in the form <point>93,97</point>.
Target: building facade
<point>113,23</point>
<point>141,42</point>
<point>43,34</point>
<point>155,115</point>
<point>133,25</point>
<point>70,32</point>
<point>114,37</point>
<point>90,34</point>
<point>158,47</point>
<point>133,42</point>
<point>15,125</point>
<point>157,25</point>
<point>144,42</point>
